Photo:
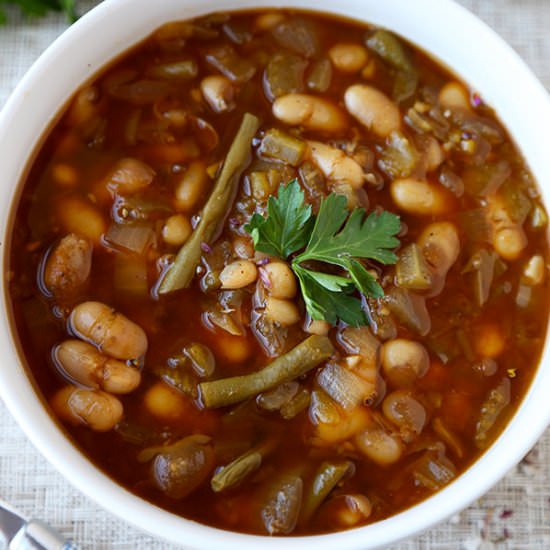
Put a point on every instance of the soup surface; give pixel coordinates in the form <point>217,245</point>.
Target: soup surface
<point>279,273</point>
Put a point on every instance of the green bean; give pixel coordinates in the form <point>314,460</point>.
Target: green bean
<point>183,269</point>
<point>291,365</point>
<point>237,470</point>
<point>327,477</point>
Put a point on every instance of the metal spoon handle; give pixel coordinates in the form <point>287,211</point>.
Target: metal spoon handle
<point>38,535</point>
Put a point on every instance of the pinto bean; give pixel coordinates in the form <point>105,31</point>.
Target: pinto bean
<point>373,109</point>
<point>112,332</point>
<point>336,165</point>
<point>87,366</point>
<point>98,410</point>
<point>311,112</point>
<point>68,265</point>
<point>192,186</point>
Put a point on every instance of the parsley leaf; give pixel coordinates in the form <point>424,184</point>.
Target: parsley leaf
<point>39,8</point>
<point>332,237</point>
<point>287,226</point>
<point>329,300</point>
<point>372,237</point>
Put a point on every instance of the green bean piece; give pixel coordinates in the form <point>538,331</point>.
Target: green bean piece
<point>296,405</point>
<point>411,270</point>
<point>291,365</point>
<point>231,475</point>
<point>182,271</point>
<point>283,147</point>
<point>326,479</point>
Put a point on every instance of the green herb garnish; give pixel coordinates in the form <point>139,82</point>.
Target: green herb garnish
<point>332,237</point>
<point>39,8</point>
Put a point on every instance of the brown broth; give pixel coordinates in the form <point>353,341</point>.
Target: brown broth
<point>453,392</point>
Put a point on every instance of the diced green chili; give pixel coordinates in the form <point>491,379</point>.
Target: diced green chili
<point>284,74</point>
<point>282,146</point>
<point>491,409</point>
<point>230,64</point>
<point>295,363</point>
<point>399,157</point>
<point>320,76</point>
<point>392,51</point>
<point>182,271</point>
<point>411,270</point>
<point>202,359</point>
<point>327,477</point>
<point>482,265</point>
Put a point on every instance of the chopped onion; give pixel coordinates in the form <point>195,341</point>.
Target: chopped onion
<point>135,238</point>
<point>345,387</point>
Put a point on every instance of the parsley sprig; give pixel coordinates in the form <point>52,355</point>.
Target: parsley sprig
<point>39,8</point>
<point>332,237</point>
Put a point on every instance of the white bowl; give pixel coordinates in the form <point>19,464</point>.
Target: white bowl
<point>450,33</point>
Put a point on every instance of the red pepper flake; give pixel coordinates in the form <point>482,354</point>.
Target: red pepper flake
<point>505,514</point>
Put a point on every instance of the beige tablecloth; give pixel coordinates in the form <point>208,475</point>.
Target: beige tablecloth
<point>514,515</point>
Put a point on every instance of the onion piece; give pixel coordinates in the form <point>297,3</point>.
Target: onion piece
<point>280,512</point>
<point>135,238</point>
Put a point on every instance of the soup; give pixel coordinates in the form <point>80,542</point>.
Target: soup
<point>279,273</point>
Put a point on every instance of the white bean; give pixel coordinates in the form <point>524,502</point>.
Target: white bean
<point>440,246</point>
<point>373,109</point>
<point>238,274</point>
<point>130,176</point>
<point>192,186</point>
<point>403,361</point>
<point>82,363</point>
<point>379,446</point>
<point>280,280</point>
<point>319,327</point>
<point>112,332</point>
<point>311,112</point>
<point>219,93</point>
<point>419,197</point>
<point>284,312</point>
<point>509,239</point>
<point>400,408</point>
<point>348,57</point>
<point>454,95</point>
<point>176,230</point>
<point>336,165</point>
<point>80,216</point>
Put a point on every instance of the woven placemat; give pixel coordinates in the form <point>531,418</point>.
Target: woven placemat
<point>514,515</point>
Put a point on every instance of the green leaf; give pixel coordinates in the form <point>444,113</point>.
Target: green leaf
<point>363,280</point>
<point>324,304</point>
<point>371,237</point>
<point>287,226</point>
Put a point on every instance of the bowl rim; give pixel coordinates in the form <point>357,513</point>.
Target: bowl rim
<point>18,392</point>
